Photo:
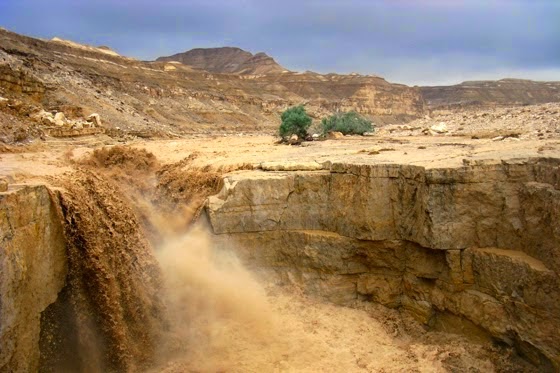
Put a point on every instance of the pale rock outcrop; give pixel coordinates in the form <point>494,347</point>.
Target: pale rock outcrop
<point>474,248</point>
<point>60,119</point>
<point>44,117</point>
<point>438,128</point>
<point>95,119</point>
<point>48,120</point>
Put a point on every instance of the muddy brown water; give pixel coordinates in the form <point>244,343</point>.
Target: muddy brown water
<point>147,291</point>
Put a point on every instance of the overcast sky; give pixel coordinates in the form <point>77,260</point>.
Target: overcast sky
<point>424,42</point>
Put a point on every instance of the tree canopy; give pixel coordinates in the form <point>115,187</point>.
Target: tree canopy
<point>347,123</point>
<point>295,121</point>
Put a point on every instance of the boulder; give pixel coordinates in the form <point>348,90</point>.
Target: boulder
<point>294,140</point>
<point>95,119</point>
<point>60,119</point>
<point>3,185</point>
<point>335,135</point>
<point>441,127</point>
<point>43,117</point>
<point>48,120</point>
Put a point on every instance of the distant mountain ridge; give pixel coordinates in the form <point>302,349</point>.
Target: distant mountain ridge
<point>488,93</point>
<point>227,60</point>
<point>165,97</point>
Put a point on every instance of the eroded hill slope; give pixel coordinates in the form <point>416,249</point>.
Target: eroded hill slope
<point>172,98</point>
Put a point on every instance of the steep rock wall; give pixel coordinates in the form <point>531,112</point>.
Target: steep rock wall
<point>33,269</point>
<point>473,249</point>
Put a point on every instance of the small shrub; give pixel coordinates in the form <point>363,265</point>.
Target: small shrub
<point>347,123</point>
<point>295,121</point>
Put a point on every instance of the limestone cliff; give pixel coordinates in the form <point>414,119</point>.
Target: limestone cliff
<point>230,89</point>
<point>474,249</point>
<point>482,94</point>
<point>33,268</point>
<point>165,99</point>
<point>18,81</point>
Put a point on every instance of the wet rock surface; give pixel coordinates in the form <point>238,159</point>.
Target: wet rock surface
<point>477,242</point>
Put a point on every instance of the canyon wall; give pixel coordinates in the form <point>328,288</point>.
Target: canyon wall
<point>19,82</point>
<point>165,99</point>
<point>488,94</point>
<point>80,289</point>
<point>473,250</point>
<point>33,267</point>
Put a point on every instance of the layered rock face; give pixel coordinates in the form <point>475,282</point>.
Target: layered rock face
<point>227,60</point>
<point>220,89</point>
<point>16,81</point>
<point>483,94</point>
<point>472,249</point>
<point>33,267</point>
<point>238,91</point>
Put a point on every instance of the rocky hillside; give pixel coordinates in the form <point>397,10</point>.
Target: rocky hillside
<point>498,123</point>
<point>160,98</point>
<point>42,80</point>
<point>227,60</point>
<point>484,94</point>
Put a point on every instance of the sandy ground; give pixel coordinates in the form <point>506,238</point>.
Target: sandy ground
<point>426,151</point>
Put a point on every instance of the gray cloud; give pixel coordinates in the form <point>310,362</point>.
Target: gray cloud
<point>414,42</point>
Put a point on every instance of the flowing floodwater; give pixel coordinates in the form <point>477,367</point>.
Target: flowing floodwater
<point>110,316</point>
<point>224,319</point>
<point>148,291</point>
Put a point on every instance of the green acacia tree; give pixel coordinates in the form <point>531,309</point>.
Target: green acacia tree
<point>295,121</point>
<point>347,123</point>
